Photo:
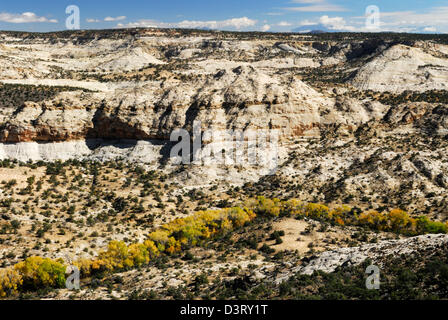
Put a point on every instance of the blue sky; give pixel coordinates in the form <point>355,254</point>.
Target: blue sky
<point>243,15</point>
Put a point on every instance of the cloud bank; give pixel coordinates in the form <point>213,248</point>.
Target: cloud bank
<point>236,23</point>
<point>26,17</point>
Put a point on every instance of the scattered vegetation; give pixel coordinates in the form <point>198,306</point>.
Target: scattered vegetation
<point>185,233</point>
<point>15,95</point>
<point>396,220</point>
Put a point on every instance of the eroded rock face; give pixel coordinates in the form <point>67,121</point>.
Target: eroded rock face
<point>142,85</point>
<point>45,123</point>
<point>151,85</point>
<point>239,103</point>
<point>401,68</point>
<point>238,98</point>
<point>329,261</point>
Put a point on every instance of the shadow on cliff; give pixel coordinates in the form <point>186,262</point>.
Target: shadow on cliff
<point>110,131</point>
<point>129,144</point>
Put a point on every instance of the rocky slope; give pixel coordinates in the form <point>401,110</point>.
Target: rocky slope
<point>401,68</point>
<point>345,130</point>
<point>362,120</point>
<point>329,261</point>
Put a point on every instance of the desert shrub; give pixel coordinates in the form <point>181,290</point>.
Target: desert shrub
<point>266,249</point>
<point>120,204</point>
<point>276,235</point>
<point>181,234</point>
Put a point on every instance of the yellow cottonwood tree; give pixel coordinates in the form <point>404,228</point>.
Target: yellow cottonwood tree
<point>10,282</point>
<point>116,255</point>
<point>373,219</point>
<point>152,249</point>
<point>398,220</point>
<point>317,211</point>
<point>41,272</point>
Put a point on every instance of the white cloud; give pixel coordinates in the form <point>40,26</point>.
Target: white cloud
<point>284,24</point>
<point>404,20</point>
<point>265,28</point>
<point>412,21</point>
<point>330,23</point>
<point>307,23</point>
<point>26,17</point>
<point>336,23</point>
<point>236,23</point>
<point>109,19</point>
<point>430,29</point>
<point>432,20</point>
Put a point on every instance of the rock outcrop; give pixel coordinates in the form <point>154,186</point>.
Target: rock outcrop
<point>402,68</point>
<point>329,261</point>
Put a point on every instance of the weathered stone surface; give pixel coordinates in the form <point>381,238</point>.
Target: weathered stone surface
<point>329,261</point>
